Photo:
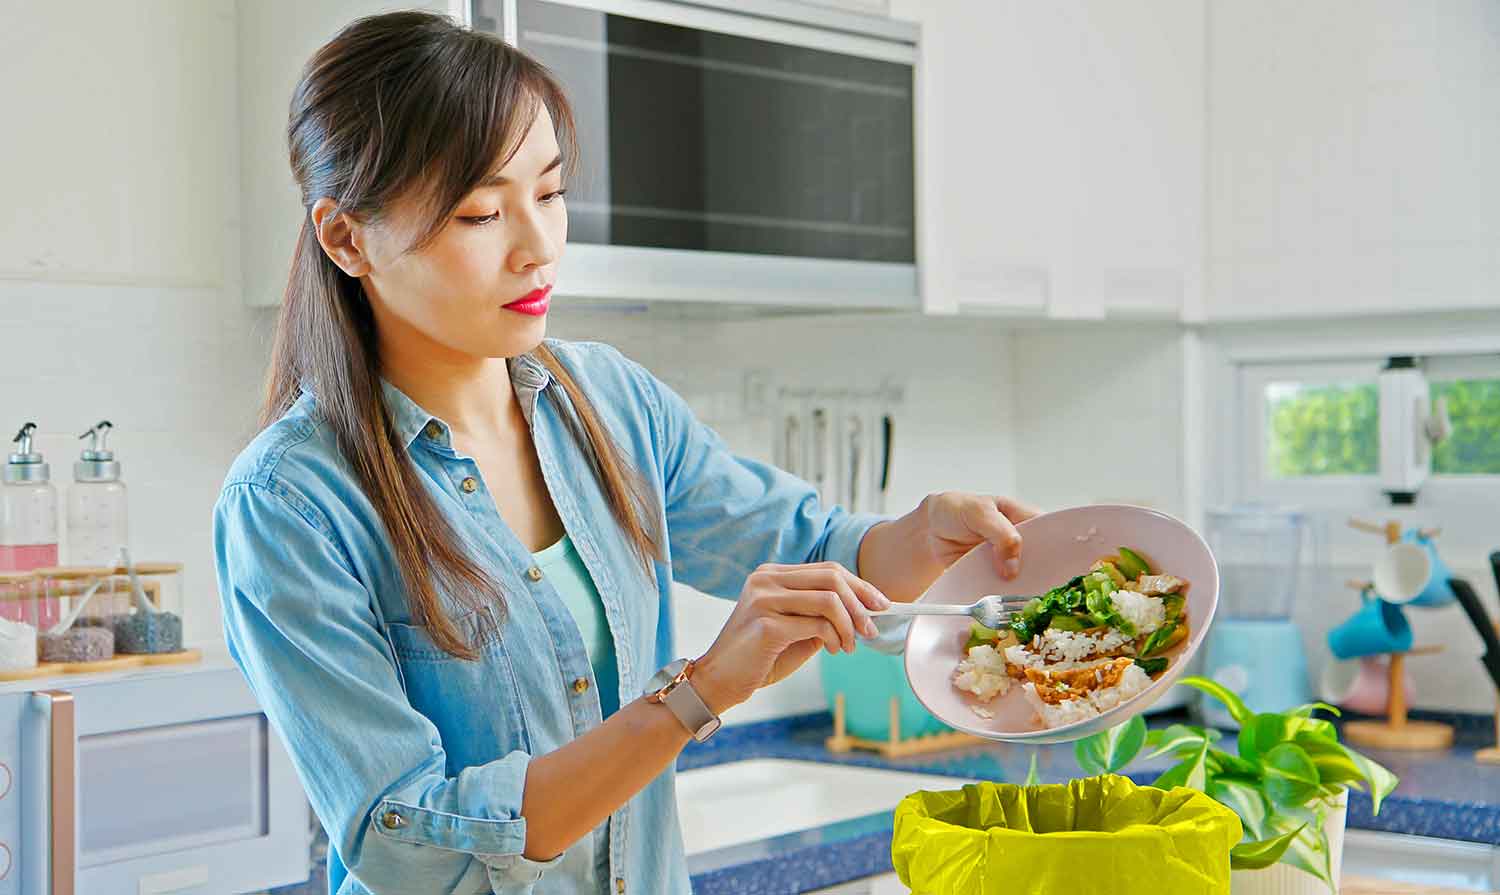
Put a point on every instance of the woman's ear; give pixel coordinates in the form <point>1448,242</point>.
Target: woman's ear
<point>340,236</point>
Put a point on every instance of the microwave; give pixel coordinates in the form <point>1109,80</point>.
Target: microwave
<point>164,781</point>
<point>749,153</point>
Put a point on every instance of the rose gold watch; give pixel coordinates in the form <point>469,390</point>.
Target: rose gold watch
<point>673,688</point>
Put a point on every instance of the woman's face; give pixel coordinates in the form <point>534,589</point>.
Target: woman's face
<point>481,287</point>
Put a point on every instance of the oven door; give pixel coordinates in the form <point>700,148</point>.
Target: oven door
<point>163,784</point>
<point>728,157</point>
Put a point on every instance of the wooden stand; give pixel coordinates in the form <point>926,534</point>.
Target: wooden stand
<point>1397,731</point>
<point>895,747</point>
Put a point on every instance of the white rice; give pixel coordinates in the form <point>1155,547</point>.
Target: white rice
<point>1146,613</point>
<point>982,673</point>
<point>1132,683</point>
<point>1054,648</point>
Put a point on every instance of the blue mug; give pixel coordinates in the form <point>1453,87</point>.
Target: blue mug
<point>1437,592</point>
<point>1377,627</point>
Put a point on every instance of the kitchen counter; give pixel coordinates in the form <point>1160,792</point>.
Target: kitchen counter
<point>1446,795</point>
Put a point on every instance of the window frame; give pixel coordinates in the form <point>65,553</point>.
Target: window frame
<point>1459,492</point>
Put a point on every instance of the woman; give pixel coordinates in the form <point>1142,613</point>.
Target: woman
<point>445,560</point>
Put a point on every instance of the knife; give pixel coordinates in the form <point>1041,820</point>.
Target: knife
<point>1481,620</point>
<point>887,429</point>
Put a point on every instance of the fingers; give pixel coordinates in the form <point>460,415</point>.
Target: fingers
<point>795,629</point>
<point>858,596</point>
<point>1015,510</point>
<point>819,604</point>
<point>992,525</point>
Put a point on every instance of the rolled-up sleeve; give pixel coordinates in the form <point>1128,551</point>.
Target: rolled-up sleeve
<point>727,514</point>
<point>302,629</point>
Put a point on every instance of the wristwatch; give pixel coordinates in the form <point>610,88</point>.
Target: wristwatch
<point>673,688</point>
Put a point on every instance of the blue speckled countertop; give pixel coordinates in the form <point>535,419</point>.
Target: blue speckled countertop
<point>1445,794</point>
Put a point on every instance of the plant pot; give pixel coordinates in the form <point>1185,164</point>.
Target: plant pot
<point>1284,879</point>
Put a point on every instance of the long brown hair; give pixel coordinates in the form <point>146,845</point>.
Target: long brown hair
<point>397,102</point>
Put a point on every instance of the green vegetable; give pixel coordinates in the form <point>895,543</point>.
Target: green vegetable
<point>1153,666</point>
<point>1097,589</point>
<point>1158,638</point>
<point>1173,604</point>
<point>979,635</point>
<point>1132,565</point>
<point>1071,622</point>
<point>1290,768</point>
<point>1037,614</point>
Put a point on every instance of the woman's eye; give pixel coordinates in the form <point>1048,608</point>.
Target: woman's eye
<point>552,197</point>
<point>481,220</point>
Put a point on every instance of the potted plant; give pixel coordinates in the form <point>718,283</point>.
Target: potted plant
<point>1287,779</point>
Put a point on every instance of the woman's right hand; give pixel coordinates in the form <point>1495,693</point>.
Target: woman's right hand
<point>785,614</point>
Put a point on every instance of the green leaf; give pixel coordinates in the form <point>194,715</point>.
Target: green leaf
<point>1261,853</point>
<point>1305,711</point>
<point>1333,762</point>
<point>1111,750</point>
<point>1244,799</point>
<point>1309,851</point>
<point>1191,773</point>
<point>1291,778</point>
<point>1234,765</point>
<point>1235,706</point>
<point>1031,776</point>
<point>1381,781</point>
<point>1267,730</point>
<point>1179,737</point>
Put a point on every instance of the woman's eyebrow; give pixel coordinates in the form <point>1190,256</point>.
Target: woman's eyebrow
<point>498,179</point>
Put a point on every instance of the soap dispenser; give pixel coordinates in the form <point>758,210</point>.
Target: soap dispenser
<point>97,527</point>
<point>28,509</point>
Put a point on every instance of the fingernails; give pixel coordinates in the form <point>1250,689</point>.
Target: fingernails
<point>1012,567</point>
<point>870,630</point>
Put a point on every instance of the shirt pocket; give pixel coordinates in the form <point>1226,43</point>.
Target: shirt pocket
<point>474,703</point>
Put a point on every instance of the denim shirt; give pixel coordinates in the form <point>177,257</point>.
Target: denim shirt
<point>415,761</point>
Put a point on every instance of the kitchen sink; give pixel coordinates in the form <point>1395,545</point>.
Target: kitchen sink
<point>746,801</point>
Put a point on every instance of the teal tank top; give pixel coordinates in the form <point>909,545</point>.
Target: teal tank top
<point>570,578</point>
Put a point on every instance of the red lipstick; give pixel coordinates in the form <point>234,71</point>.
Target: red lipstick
<point>533,303</point>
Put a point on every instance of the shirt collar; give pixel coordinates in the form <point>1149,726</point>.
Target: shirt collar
<point>528,376</point>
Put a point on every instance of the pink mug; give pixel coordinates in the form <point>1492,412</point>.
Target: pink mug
<point>1361,685</point>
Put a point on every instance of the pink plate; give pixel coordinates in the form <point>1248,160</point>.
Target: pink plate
<point>1057,546</point>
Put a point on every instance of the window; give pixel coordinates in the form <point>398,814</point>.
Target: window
<point>1309,432</point>
<point>1473,448</point>
<point>1325,428</point>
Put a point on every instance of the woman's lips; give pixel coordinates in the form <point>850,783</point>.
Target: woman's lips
<point>533,303</point>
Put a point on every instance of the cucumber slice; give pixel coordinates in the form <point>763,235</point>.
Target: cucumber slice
<point>1132,565</point>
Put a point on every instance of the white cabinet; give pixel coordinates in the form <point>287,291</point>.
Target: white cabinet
<point>276,38</point>
<point>1352,147</point>
<point>1061,156</point>
<point>118,160</point>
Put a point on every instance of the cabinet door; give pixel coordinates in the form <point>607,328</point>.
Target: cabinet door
<point>1060,155</point>
<point>275,39</point>
<point>118,157</point>
<point>1351,157</point>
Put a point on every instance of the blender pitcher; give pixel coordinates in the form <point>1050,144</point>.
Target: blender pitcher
<point>1254,648</point>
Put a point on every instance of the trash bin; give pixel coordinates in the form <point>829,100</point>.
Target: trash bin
<point>1093,836</point>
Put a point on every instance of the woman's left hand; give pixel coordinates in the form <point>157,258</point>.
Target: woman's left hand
<point>957,522</point>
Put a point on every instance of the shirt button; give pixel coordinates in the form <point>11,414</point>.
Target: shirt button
<point>534,573</point>
<point>620,885</point>
<point>581,686</point>
<point>434,431</point>
<point>392,820</point>
<point>468,484</point>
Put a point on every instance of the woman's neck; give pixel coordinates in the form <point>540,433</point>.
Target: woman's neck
<point>473,395</point>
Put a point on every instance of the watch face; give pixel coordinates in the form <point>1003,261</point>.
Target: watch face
<point>665,676</point>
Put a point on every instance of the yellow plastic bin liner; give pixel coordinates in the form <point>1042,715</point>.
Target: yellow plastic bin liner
<point>1093,836</point>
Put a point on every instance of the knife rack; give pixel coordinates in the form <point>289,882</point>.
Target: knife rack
<point>895,747</point>
<point>1396,730</point>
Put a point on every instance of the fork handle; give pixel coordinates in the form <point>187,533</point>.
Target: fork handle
<point>924,609</point>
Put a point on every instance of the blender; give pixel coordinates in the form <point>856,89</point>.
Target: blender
<point>1254,648</point>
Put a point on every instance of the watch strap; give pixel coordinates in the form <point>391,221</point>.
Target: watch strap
<point>691,710</point>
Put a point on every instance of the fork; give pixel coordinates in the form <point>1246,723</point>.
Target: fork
<point>991,611</point>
